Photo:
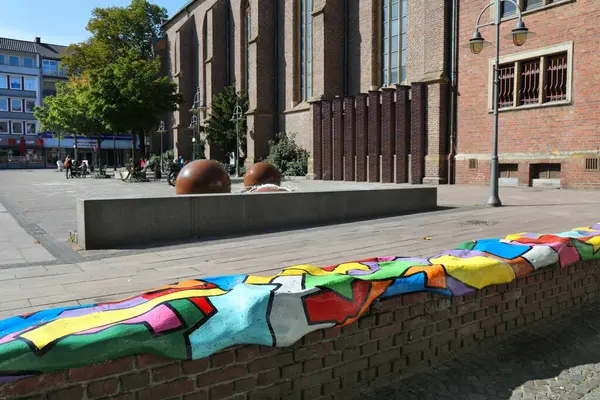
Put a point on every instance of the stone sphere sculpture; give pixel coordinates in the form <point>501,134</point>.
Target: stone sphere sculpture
<point>262,173</point>
<point>201,177</point>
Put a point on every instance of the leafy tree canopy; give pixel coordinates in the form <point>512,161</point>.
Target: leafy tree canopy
<point>129,94</point>
<point>220,129</point>
<point>116,30</point>
<point>68,111</point>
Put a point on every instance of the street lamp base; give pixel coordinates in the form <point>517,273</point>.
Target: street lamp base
<point>494,201</point>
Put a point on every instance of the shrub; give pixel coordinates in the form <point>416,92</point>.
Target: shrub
<point>287,156</point>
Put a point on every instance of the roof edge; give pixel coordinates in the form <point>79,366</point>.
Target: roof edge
<point>179,12</point>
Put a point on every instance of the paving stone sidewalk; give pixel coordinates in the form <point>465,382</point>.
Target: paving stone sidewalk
<point>16,245</point>
<point>558,360</point>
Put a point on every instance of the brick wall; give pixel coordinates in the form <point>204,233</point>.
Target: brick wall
<point>567,133</point>
<point>398,337</point>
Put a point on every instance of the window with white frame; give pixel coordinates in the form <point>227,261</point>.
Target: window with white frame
<point>4,127</point>
<point>3,104</point>
<point>17,127</point>
<point>306,49</point>
<point>50,67</point>
<point>15,83</point>
<point>30,84</point>
<point>28,62</point>
<point>509,9</point>
<point>30,128</point>
<point>3,82</point>
<point>13,60</point>
<point>29,105</point>
<point>2,59</point>
<point>16,105</point>
<point>536,77</point>
<point>393,41</point>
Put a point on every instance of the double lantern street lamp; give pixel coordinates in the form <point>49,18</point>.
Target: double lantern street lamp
<point>161,131</point>
<point>237,117</point>
<point>198,109</point>
<point>519,36</point>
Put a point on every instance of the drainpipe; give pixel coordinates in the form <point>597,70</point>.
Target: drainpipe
<point>276,67</point>
<point>453,87</point>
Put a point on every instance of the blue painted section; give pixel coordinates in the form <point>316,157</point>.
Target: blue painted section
<point>497,248</point>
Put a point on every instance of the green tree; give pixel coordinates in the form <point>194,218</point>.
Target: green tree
<point>219,128</point>
<point>69,113</point>
<point>129,95</point>
<point>287,156</point>
<point>116,30</point>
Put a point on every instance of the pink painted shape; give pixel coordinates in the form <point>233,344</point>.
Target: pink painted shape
<point>160,318</point>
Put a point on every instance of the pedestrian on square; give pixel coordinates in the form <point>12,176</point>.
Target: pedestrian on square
<point>68,164</point>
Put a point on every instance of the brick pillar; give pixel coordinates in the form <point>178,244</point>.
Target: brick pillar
<point>361,137</point>
<point>388,145</point>
<point>317,156</point>
<point>436,161</point>
<point>524,174</point>
<point>338,139</point>
<point>349,138</point>
<point>327,142</point>
<point>374,134</point>
<point>402,133</point>
<point>417,142</point>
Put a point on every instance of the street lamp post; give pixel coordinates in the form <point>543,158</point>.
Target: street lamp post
<point>476,44</point>
<point>238,116</point>
<point>161,131</point>
<point>197,110</point>
<point>193,127</point>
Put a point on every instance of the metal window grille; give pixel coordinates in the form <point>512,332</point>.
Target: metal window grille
<point>529,90</point>
<point>555,88</point>
<point>506,87</point>
<point>532,4</point>
<point>592,164</point>
<point>473,163</point>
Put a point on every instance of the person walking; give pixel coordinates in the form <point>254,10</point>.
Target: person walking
<point>68,164</point>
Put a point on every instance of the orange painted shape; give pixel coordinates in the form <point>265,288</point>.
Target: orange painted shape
<point>436,275</point>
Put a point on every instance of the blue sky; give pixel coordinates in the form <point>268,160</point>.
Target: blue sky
<point>58,21</point>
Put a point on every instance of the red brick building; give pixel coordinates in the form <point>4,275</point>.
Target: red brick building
<point>549,131</point>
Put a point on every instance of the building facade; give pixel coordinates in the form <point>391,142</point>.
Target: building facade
<point>549,126</point>
<point>20,92</point>
<point>286,54</point>
<point>29,72</point>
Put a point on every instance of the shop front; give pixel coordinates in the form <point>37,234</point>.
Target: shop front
<point>21,152</point>
<point>114,150</point>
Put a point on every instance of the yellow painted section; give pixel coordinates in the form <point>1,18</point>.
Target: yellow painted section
<point>62,327</point>
<point>477,271</point>
<point>301,269</point>
<point>515,236</point>
<point>259,280</point>
<point>595,241</point>
<point>344,268</point>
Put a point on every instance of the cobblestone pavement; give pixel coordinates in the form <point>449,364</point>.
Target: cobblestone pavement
<point>554,360</point>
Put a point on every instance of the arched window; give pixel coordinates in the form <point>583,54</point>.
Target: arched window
<point>306,49</point>
<point>394,41</point>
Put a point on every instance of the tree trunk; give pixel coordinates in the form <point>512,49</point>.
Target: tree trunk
<point>98,157</point>
<point>143,143</point>
<point>75,151</point>
<point>133,137</point>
